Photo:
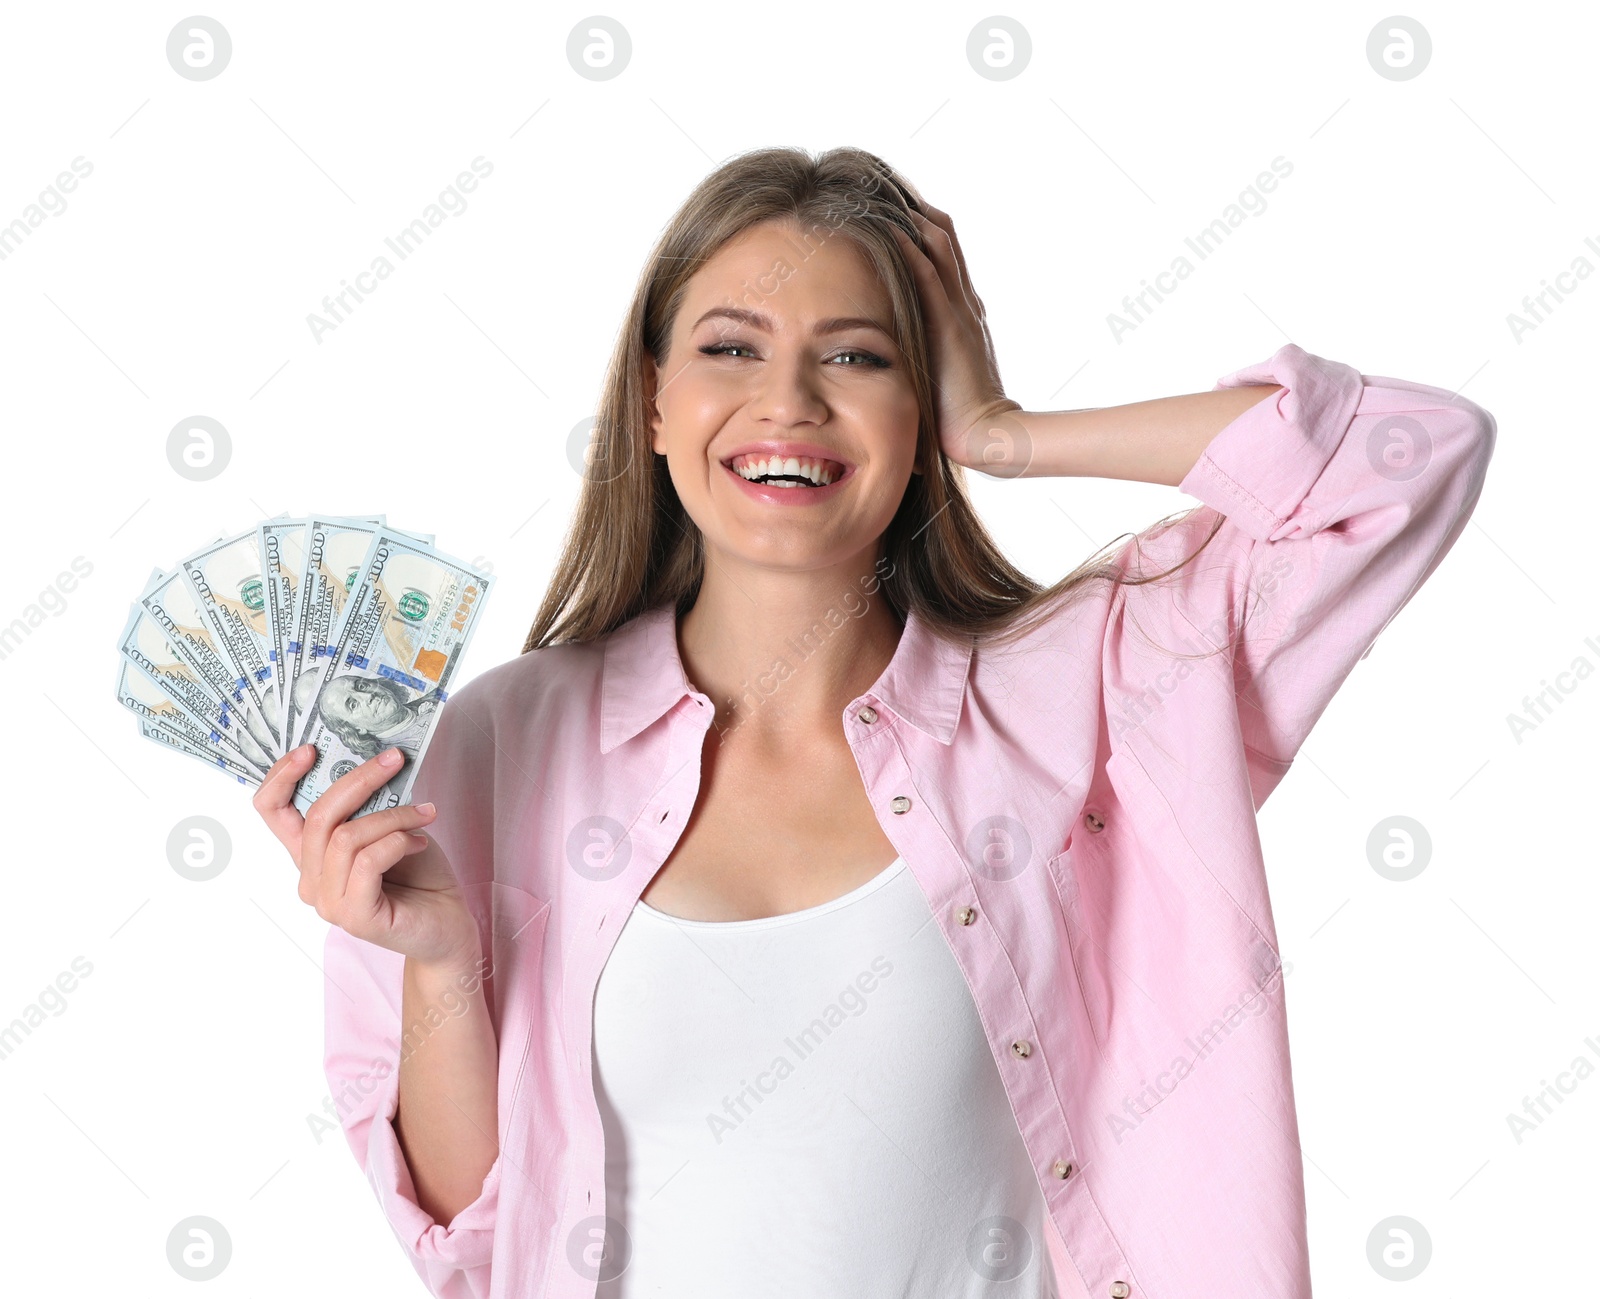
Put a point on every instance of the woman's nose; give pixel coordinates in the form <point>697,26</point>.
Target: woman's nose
<point>789,392</point>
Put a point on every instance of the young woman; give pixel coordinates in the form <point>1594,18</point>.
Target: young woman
<point>818,906</point>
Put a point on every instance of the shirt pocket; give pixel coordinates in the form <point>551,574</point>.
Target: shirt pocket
<point>1094,991</point>
<point>1167,963</point>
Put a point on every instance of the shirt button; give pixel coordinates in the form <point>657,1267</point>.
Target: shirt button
<point>1061,1168</point>
<point>900,805</point>
<point>1095,824</point>
<point>1022,1048</point>
<point>966,915</point>
<point>868,715</point>
<point>1120,1290</point>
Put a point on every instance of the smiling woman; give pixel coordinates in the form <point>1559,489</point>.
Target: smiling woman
<point>931,788</point>
<point>749,280</point>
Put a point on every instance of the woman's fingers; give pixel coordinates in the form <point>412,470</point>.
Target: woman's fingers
<point>964,312</point>
<point>948,227</point>
<point>921,266</point>
<point>350,844</point>
<point>937,256</point>
<point>274,798</point>
<point>364,909</point>
<point>931,286</point>
<point>966,375</point>
<point>338,802</point>
<point>947,257</point>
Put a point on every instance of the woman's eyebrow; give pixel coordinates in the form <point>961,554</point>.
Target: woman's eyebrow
<point>756,320</point>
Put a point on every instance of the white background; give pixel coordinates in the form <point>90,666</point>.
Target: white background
<point>178,281</point>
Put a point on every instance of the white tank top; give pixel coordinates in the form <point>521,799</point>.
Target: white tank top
<point>806,1106</point>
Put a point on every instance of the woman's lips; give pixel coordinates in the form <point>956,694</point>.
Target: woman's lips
<point>802,470</point>
<point>775,494</point>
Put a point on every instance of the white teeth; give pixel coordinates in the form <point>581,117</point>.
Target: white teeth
<point>753,469</point>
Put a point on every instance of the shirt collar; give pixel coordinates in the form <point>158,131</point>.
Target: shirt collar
<point>643,678</point>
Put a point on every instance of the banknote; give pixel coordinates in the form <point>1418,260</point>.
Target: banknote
<point>281,544</point>
<point>147,648</point>
<point>164,720</point>
<point>393,657</point>
<point>171,602</point>
<point>226,580</point>
<point>338,629</point>
<point>161,735</point>
<point>332,550</point>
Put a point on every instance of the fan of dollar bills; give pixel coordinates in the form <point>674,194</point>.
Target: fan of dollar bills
<point>341,632</point>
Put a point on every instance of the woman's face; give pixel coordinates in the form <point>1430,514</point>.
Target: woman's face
<point>780,374</point>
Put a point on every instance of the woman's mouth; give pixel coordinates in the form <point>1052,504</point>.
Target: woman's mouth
<point>799,472</point>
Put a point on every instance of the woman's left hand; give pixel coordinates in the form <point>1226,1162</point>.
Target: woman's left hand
<point>965,374</point>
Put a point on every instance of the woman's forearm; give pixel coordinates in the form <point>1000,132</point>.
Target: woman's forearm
<point>448,1116</point>
<point>1156,441</point>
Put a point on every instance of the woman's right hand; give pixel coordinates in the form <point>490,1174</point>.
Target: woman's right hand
<point>377,877</point>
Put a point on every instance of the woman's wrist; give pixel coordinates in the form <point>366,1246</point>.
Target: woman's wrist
<point>460,971</point>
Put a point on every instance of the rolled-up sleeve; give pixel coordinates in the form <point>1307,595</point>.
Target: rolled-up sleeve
<point>362,1004</point>
<point>362,1017</point>
<point>1340,494</point>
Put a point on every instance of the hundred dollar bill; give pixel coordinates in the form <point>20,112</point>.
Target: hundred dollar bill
<point>161,719</point>
<point>333,547</point>
<point>155,731</point>
<point>144,697</point>
<point>392,660</point>
<point>230,593</point>
<point>282,543</point>
<point>171,602</point>
<point>146,647</point>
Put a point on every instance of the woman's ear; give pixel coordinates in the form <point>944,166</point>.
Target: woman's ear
<point>652,376</point>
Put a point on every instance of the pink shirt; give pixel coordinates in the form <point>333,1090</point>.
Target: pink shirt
<point>1079,810</point>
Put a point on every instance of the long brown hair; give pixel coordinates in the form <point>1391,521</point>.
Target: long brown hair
<point>631,545</point>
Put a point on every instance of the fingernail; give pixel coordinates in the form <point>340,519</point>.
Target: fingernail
<point>304,751</point>
<point>389,758</point>
<point>426,809</point>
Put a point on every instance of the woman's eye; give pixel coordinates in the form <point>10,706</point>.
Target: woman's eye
<point>871,358</point>
<point>867,358</point>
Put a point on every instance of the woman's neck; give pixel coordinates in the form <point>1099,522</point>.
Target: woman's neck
<point>785,652</point>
